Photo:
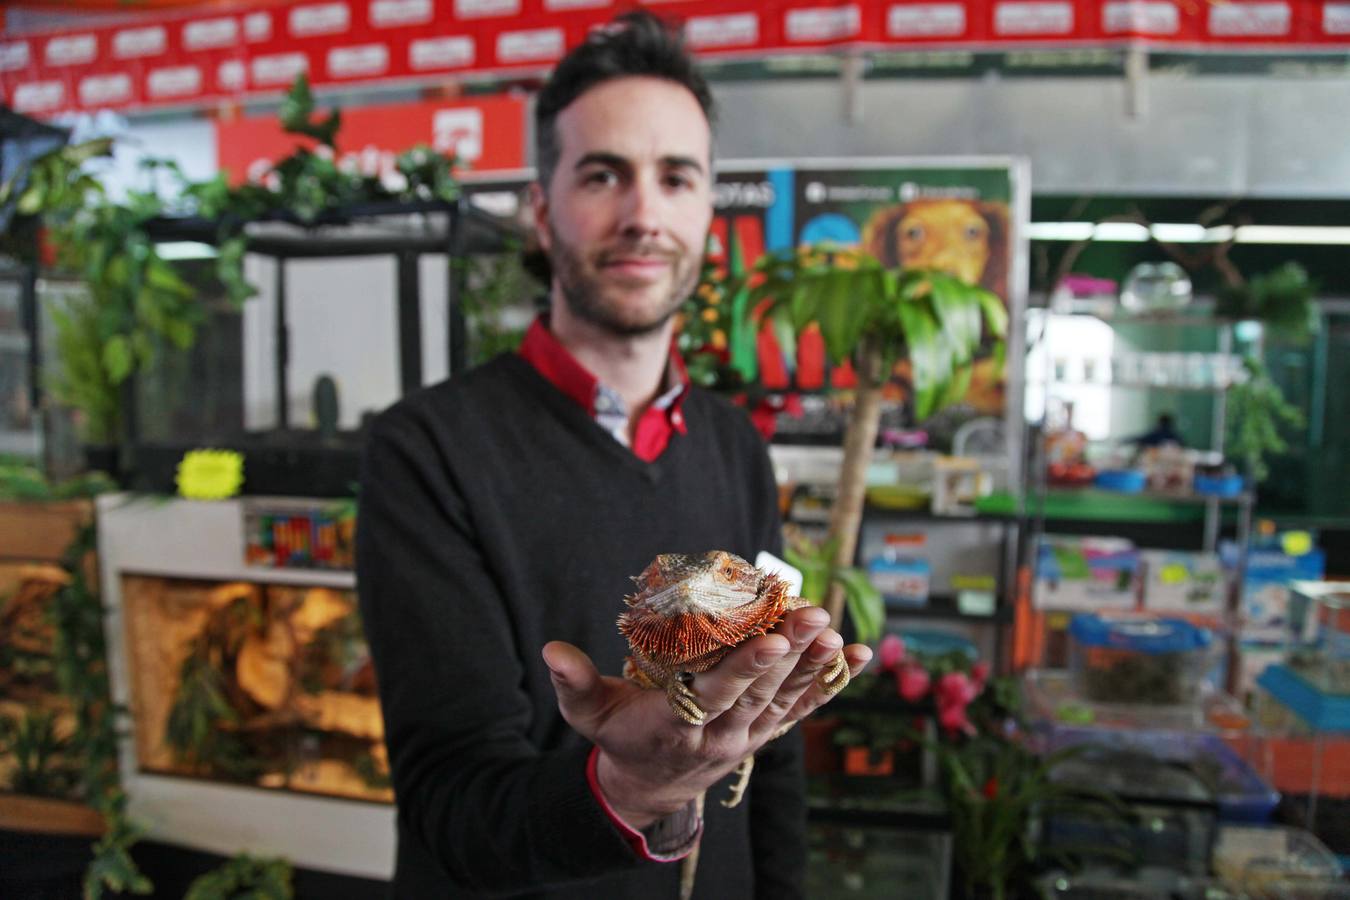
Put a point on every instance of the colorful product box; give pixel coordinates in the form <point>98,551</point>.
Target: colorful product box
<point>1086,573</point>
<point>1177,581</point>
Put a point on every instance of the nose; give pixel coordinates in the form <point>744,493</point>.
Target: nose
<point>641,213</point>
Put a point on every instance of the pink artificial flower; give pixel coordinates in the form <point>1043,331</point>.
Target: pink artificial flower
<point>912,681</point>
<point>956,688</point>
<point>952,718</point>
<point>980,673</point>
<point>892,652</point>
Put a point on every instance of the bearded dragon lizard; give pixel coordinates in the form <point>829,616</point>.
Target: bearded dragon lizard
<point>691,610</point>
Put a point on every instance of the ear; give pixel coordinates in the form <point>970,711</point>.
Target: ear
<point>996,271</point>
<point>879,238</point>
<point>539,215</point>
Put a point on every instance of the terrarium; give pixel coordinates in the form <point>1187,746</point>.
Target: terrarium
<point>1319,634</point>
<point>264,684</point>
<point>351,312</point>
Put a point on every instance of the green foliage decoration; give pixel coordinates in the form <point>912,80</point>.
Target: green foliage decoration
<point>38,754</point>
<point>1257,414</point>
<point>136,300</point>
<point>1283,298</point>
<point>863,601</point>
<point>244,877</point>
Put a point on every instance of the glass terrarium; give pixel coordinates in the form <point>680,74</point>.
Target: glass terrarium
<point>349,314</point>
<point>263,684</point>
<point>1319,634</point>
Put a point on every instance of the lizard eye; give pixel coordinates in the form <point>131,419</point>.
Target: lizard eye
<point>729,572</point>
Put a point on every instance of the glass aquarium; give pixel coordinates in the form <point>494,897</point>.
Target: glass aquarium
<point>263,684</point>
<point>348,315</point>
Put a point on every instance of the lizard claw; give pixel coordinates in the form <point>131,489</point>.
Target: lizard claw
<point>833,679</point>
<point>684,703</point>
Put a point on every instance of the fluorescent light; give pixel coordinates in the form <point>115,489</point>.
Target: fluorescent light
<point>1170,233</point>
<point>1187,233</point>
<point>176,250</point>
<point>1292,234</point>
<point>1060,231</point>
<point>1120,231</point>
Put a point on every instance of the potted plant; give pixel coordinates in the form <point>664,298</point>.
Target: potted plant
<point>872,318</point>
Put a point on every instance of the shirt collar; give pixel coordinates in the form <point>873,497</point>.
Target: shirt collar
<point>542,350</point>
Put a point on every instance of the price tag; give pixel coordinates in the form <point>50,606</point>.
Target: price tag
<point>210,474</point>
<point>1296,543</point>
<point>1174,573</point>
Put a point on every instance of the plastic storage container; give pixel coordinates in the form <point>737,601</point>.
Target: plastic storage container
<point>1137,660</point>
<point>1279,862</point>
<point>1319,634</point>
<point>1243,797</point>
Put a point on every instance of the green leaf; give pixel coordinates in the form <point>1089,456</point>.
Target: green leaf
<point>865,605</point>
<point>117,358</point>
<point>958,311</point>
<point>995,313</point>
<point>841,312</point>
<point>928,354</point>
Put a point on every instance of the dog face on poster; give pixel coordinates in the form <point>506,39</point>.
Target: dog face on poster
<point>965,238</point>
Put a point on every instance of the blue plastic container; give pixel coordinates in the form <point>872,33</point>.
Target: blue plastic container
<point>1218,485</point>
<point>1124,481</point>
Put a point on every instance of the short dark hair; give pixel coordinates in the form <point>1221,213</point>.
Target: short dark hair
<point>635,44</point>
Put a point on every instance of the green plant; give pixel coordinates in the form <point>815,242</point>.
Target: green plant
<point>1282,298</point>
<point>112,868</point>
<point>1257,413</point>
<point>136,300</point>
<point>80,665</point>
<point>21,480</point>
<point>39,754</point>
<point>244,877</point>
<point>816,560</point>
<point>200,728</point>
<point>874,317</point>
<point>997,791</point>
<point>492,285</point>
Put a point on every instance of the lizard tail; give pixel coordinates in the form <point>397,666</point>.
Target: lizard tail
<point>689,865</point>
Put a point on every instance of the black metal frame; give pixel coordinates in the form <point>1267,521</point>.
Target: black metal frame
<point>317,471</point>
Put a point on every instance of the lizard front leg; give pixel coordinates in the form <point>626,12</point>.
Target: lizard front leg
<point>682,700</point>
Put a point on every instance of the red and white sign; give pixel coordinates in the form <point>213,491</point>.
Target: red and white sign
<point>202,57</point>
<point>488,134</point>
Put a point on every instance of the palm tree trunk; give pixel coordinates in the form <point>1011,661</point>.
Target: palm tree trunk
<point>859,439</point>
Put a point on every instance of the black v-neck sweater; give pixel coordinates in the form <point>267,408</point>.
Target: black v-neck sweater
<point>495,516</point>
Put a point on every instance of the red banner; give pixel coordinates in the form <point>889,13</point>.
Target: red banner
<point>203,57</point>
<point>488,134</point>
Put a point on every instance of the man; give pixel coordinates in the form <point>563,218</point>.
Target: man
<point>503,514</point>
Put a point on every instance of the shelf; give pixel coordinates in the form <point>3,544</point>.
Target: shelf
<point>1129,386</point>
<point>942,606</point>
<point>1098,494</point>
<point>872,511</point>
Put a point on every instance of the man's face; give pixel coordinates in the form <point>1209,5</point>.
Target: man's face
<point>626,214</point>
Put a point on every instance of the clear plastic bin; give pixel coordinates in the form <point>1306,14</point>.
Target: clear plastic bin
<point>1319,634</point>
<point>1277,863</point>
<point>1153,661</point>
<point>1242,795</point>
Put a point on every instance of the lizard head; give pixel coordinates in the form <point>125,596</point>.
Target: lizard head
<point>696,582</point>
<point>688,605</point>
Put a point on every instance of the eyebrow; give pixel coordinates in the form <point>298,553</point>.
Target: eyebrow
<point>614,160</point>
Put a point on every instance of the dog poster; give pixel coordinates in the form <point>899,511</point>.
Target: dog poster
<point>963,218</point>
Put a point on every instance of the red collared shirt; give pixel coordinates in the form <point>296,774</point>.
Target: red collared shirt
<point>662,418</point>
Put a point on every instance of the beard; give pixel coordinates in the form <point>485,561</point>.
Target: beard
<point>608,303</point>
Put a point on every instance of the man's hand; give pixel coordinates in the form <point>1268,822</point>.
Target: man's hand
<point>651,764</point>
